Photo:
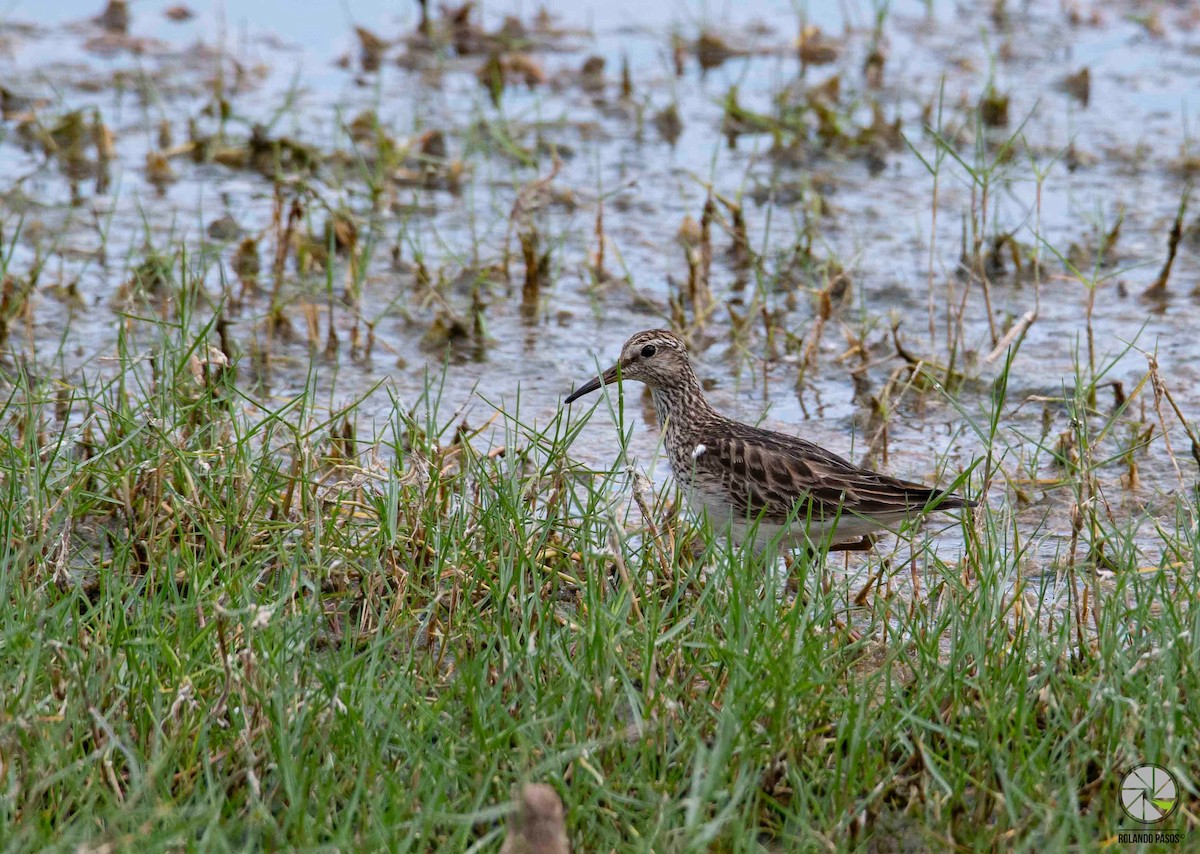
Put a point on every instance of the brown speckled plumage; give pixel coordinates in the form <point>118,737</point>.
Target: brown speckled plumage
<point>743,474</point>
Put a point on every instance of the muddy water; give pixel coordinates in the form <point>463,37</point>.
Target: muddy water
<point>862,200</point>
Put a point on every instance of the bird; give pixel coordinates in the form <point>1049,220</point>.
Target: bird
<point>762,483</point>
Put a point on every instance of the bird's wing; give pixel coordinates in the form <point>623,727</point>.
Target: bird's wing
<point>769,473</point>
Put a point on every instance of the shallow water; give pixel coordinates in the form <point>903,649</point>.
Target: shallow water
<point>870,207</point>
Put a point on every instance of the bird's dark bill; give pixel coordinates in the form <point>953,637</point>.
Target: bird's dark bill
<point>591,385</point>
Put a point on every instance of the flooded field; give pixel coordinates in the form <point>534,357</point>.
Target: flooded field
<point>300,549</point>
<point>852,211</point>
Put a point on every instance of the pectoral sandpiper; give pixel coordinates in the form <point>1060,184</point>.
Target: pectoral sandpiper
<point>760,480</point>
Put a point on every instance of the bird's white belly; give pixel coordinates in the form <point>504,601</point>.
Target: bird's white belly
<point>845,529</point>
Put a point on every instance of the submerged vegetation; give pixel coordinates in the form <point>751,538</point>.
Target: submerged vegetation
<point>287,560</point>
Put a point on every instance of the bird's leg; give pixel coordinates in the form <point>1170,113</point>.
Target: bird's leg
<point>791,561</point>
<point>810,554</point>
<point>863,544</point>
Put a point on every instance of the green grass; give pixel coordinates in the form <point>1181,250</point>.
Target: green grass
<point>230,626</point>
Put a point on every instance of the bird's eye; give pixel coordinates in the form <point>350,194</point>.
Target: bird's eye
<point>648,351</point>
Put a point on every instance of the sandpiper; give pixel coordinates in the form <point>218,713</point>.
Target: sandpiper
<point>760,481</point>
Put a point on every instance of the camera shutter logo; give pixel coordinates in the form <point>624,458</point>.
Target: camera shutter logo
<point>1149,793</point>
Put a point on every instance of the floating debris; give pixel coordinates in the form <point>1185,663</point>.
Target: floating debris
<point>466,36</point>
<point>341,232</point>
<point>1100,253</point>
<point>448,329</point>
<point>165,140</point>
<point>712,51</point>
<point>224,229</point>
<point>150,278</point>
<point>815,48</point>
<point>1006,250</point>
<point>1158,290</point>
<point>158,170</point>
<point>102,139</point>
<point>537,268</point>
<point>115,17</point>
<point>679,53</point>
<point>1078,85</point>
<point>272,158</point>
<point>873,68</point>
<point>246,264</point>
<point>1077,158</point>
<point>591,75</point>
<point>695,238</point>
<point>993,108</point>
<point>13,105</point>
<point>14,302</point>
<point>67,135</point>
<point>503,69</point>
<point>371,50</point>
<point>668,124</point>
<point>432,146</point>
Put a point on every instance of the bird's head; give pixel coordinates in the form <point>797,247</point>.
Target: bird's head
<point>656,357</point>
